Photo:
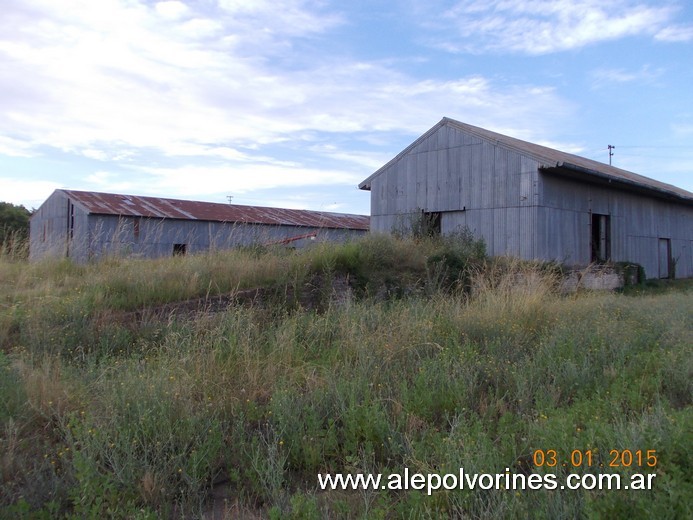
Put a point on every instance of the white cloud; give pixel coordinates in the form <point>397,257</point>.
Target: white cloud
<point>15,147</point>
<point>314,200</point>
<point>172,10</point>
<point>103,72</point>
<point>193,180</point>
<point>27,192</point>
<point>211,91</point>
<point>683,130</point>
<point>289,17</point>
<point>369,161</point>
<point>542,26</point>
<point>113,76</point>
<point>112,183</point>
<point>646,74</point>
<point>93,153</point>
<point>676,33</point>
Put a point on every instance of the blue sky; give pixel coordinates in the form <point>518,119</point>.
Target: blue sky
<point>293,102</point>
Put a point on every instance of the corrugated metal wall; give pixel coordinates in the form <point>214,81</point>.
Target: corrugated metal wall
<point>473,183</point>
<point>63,229</point>
<point>501,196</point>
<point>157,237</point>
<point>48,234</point>
<point>637,224</point>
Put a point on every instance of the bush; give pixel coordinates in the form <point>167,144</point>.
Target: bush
<point>457,258</point>
<point>632,273</point>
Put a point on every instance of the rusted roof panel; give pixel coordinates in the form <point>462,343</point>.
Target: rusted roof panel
<point>156,207</point>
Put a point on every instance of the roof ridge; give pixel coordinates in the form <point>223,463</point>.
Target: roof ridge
<point>119,204</point>
<point>224,204</point>
<point>547,157</point>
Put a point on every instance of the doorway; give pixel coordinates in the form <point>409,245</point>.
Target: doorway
<point>432,223</point>
<point>665,270</point>
<point>600,238</point>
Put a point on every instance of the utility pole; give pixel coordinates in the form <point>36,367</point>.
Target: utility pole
<point>611,153</point>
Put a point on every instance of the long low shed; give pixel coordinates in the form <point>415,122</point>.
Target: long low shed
<point>84,225</point>
<point>534,202</point>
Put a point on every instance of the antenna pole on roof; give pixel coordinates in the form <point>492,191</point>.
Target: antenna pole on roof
<point>611,153</point>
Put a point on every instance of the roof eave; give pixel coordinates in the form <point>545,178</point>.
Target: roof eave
<point>592,175</point>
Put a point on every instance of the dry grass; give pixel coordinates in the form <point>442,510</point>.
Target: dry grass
<point>142,419</point>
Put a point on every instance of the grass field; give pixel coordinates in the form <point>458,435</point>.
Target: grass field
<point>434,359</point>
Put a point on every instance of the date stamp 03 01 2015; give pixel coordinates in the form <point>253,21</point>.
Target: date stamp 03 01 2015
<point>617,458</point>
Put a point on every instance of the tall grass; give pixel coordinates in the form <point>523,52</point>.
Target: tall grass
<point>14,245</point>
<point>415,370</point>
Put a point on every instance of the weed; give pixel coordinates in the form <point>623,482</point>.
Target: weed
<point>439,359</point>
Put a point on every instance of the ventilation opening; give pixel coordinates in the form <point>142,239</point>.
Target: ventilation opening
<point>179,249</point>
<point>601,238</point>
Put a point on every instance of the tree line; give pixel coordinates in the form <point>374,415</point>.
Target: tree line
<point>14,222</point>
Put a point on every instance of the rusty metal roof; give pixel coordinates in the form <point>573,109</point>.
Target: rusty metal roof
<point>553,161</point>
<point>156,207</point>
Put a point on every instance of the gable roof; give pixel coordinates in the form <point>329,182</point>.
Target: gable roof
<point>552,161</point>
<point>156,207</point>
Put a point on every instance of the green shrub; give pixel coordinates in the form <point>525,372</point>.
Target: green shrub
<point>458,257</point>
<point>632,273</point>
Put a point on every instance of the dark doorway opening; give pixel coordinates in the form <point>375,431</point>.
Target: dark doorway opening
<point>70,226</point>
<point>601,238</point>
<point>665,267</point>
<point>431,222</point>
<point>179,249</point>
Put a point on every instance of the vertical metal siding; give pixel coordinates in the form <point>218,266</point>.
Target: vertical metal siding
<point>48,228</point>
<point>114,235</point>
<point>637,223</point>
<point>523,212</point>
<point>98,235</point>
<point>450,171</point>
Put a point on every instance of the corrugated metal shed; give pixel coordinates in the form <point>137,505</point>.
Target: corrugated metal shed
<point>534,202</point>
<point>156,207</point>
<point>552,161</point>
